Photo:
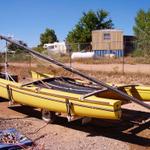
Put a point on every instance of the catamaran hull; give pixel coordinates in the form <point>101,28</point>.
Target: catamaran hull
<point>59,101</point>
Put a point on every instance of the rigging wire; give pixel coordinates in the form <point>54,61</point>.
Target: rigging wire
<point>7,75</point>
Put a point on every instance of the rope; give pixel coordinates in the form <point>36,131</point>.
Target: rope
<point>37,130</point>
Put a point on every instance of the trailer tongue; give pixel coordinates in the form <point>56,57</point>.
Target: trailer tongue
<point>75,71</point>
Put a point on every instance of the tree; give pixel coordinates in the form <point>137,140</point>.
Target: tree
<point>142,31</point>
<point>48,36</point>
<point>17,49</point>
<point>88,22</point>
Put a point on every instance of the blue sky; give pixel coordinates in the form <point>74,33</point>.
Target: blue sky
<point>26,19</point>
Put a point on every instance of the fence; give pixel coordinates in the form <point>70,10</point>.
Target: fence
<point>115,64</point>
<point>77,47</point>
<point>118,48</point>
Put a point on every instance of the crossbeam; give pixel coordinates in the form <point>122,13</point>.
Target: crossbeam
<point>93,93</point>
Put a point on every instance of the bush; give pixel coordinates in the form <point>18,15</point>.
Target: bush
<point>137,53</point>
<point>19,57</point>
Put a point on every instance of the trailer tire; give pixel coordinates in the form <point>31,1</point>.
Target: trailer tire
<point>48,116</point>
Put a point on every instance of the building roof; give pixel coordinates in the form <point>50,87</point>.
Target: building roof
<point>107,30</point>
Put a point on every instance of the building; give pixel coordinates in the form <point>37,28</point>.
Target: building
<point>57,47</point>
<point>107,42</point>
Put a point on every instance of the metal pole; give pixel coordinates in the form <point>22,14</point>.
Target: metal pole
<point>78,47</point>
<point>6,62</point>
<point>70,60</point>
<point>123,59</point>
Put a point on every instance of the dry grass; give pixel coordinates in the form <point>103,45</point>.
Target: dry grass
<point>24,57</point>
<point>110,77</point>
<point>104,60</point>
<point>113,77</point>
<point>65,58</point>
<point>130,78</point>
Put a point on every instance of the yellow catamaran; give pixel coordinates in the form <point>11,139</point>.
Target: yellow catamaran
<point>67,95</point>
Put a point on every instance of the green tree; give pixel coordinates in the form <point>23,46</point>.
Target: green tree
<point>88,22</point>
<point>39,49</point>
<point>48,36</point>
<point>142,31</point>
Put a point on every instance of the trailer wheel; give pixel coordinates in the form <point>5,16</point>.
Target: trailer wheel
<point>48,116</point>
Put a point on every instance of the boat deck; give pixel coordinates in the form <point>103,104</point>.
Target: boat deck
<point>67,85</point>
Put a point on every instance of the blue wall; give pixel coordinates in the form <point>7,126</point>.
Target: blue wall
<point>101,53</point>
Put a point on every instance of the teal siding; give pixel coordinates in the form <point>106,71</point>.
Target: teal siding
<point>101,53</point>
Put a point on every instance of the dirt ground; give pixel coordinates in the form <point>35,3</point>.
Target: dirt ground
<point>132,132</point>
<point>127,68</point>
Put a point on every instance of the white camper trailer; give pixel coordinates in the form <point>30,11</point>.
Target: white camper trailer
<point>57,47</point>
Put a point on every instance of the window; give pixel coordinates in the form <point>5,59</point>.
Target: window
<point>107,36</point>
<point>50,47</point>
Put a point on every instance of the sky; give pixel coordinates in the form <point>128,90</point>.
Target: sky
<point>26,19</point>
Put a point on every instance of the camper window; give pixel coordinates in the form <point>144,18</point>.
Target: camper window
<point>50,47</point>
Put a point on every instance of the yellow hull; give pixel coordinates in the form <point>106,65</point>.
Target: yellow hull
<point>140,92</point>
<point>56,101</point>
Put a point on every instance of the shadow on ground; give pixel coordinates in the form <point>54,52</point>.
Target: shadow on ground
<point>3,100</point>
<point>127,129</point>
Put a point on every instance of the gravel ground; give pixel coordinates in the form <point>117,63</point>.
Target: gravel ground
<point>130,133</point>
